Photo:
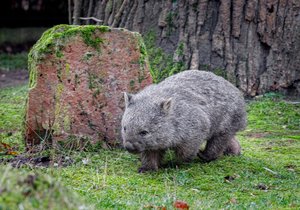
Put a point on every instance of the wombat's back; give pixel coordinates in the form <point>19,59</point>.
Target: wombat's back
<point>194,84</point>
<point>218,98</point>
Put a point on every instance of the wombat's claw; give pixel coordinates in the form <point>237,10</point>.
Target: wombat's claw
<point>141,170</point>
<point>203,157</point>
<point>144,170</point>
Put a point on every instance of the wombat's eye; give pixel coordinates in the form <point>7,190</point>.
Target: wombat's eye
<point>143,133</point>
<point>124,128</point>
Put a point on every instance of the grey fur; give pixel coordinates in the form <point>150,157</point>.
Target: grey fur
<point>181,113</point>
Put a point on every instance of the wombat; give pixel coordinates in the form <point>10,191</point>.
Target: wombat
<point>181,113</point>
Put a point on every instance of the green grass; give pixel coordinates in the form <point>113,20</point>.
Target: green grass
<point>12,112</point>
<point>273,115</point>
<point>265,176</point>
<point>10,62</point>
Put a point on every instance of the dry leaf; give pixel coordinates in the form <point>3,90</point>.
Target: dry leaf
<point>233,201</point>
<point>181,205</point>
<point>6,149</point>
<point>5,146</point>
<point>12,153</point>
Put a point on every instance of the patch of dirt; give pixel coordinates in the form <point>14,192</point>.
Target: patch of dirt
<point>283,142</point>
<point>257,135</point>
<point>269,145</point>
<point>291,167</point>
<point>41,161</point>
<point>230,178</point>
<point>13,78</point>
<point>262,186</point>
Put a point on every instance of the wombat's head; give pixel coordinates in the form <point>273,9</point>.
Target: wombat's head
<point>145,123</point>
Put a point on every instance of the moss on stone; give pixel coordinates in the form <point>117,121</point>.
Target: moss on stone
<point>92,81</point>
<point>131,83</point>
<point>53,40</point>
<point>57,111</point>
<point>88,38</point>
<point>67,69</point>
<point>59,73</point>
<point>67,121</point>
<point>77,80</point>
<point>87,56</point>
<point>96,92</point>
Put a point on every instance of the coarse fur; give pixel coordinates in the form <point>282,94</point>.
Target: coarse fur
<point>181,113</point>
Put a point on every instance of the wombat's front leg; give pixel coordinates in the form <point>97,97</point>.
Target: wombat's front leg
<point>151,160</point>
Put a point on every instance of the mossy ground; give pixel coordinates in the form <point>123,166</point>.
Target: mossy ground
<point>12,112</point>
<point>21,189</point>
<point>265,176</point>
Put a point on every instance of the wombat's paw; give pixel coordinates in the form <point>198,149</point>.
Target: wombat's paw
<point>145,169</point>
<point>204,157</point>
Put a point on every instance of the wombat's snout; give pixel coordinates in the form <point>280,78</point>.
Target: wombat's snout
<point>130,147</point>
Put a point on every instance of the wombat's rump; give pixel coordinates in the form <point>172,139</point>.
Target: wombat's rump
<point>181,113</point>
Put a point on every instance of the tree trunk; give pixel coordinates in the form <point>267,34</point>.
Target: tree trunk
<point>77,11</point>
<point>255,44</point>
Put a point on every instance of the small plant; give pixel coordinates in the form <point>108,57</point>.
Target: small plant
<point>162,64</point>
<point>217,71</point>
<point>273,95</point>
<point>170,22</point>
<point>220,72</point>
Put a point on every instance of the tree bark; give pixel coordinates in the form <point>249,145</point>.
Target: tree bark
<point>78,9</point>
<point>255,44</point>
<point>70,11</point>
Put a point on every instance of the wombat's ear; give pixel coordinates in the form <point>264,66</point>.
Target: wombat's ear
<point>128,99</point>
<point>166,105</point>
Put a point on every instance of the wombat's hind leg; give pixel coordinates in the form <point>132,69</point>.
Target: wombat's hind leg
<point>215,148</point>
<point>151,160</point>
<point>233,147</point>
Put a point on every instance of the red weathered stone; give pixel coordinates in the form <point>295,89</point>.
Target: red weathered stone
<point>77,78</point>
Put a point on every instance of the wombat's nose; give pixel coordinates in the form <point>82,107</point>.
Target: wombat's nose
<point>130,147</point>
